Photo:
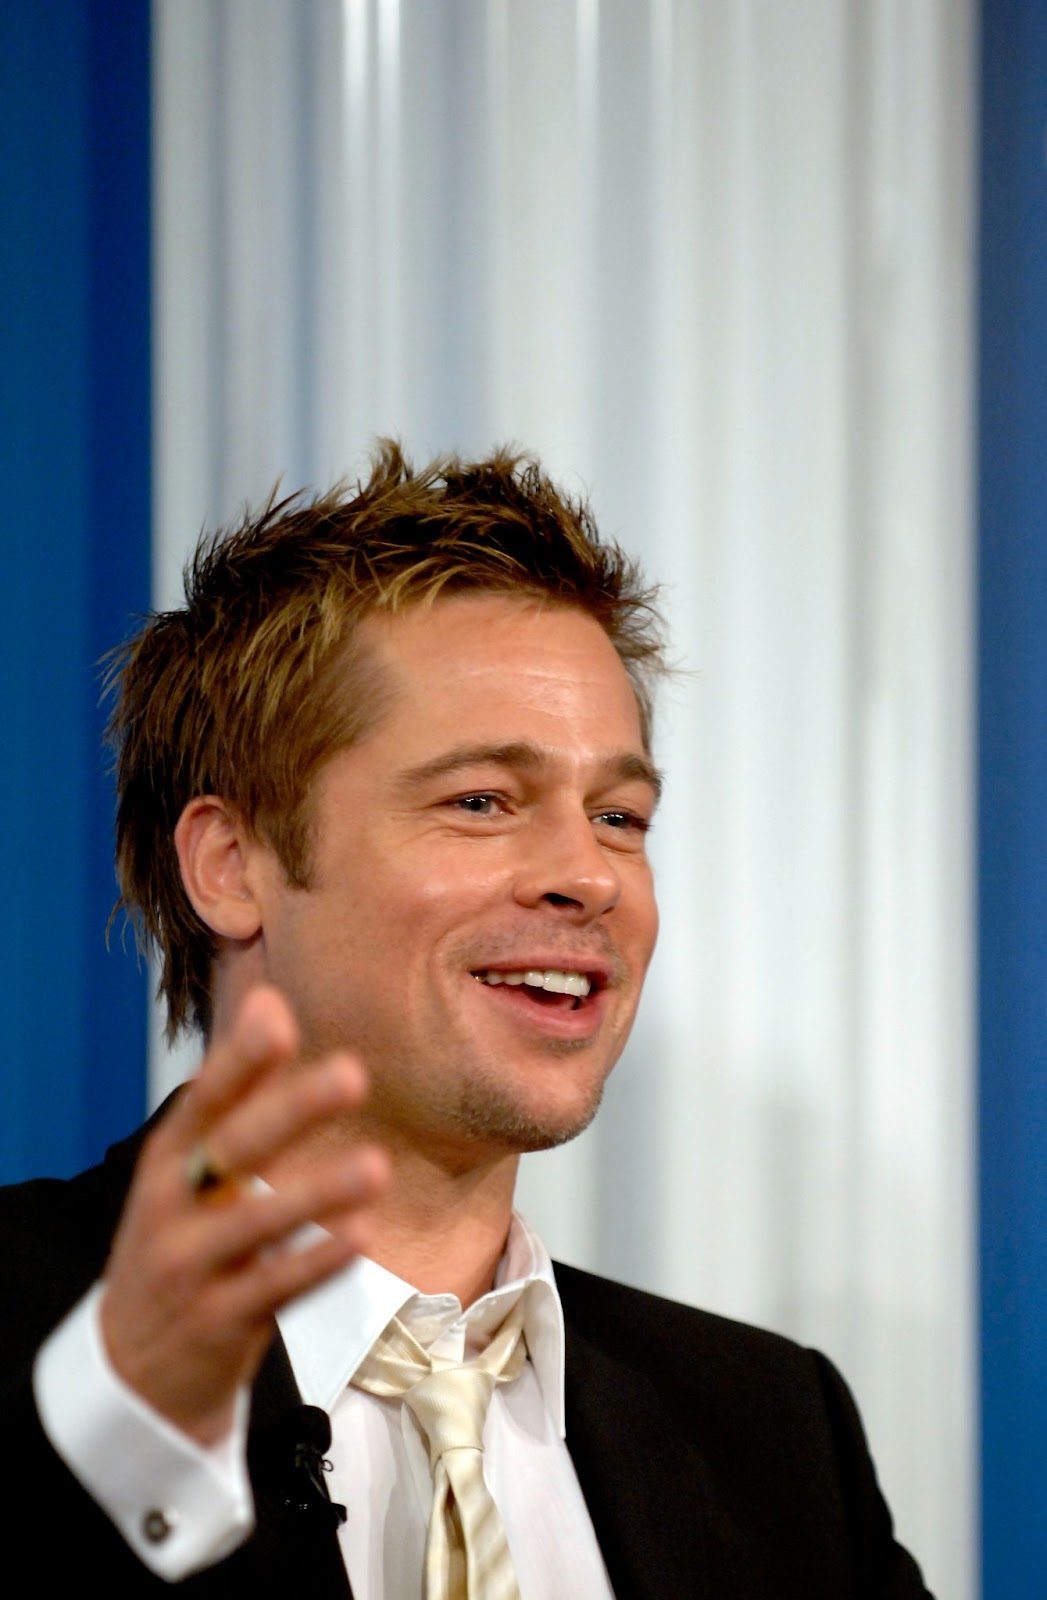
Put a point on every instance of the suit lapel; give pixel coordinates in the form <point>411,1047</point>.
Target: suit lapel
<point>641,1479</point>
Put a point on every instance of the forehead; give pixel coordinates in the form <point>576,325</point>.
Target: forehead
<point>508,667</point>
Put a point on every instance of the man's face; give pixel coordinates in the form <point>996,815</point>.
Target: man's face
<point>491,825</point>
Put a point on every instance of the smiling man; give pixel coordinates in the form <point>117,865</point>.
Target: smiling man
<point>480,913</point>
<point>385,783</point>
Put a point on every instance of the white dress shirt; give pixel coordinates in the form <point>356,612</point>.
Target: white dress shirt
<point>151,1479</point>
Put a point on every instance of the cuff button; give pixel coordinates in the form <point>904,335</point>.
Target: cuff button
<point>157,1526</point>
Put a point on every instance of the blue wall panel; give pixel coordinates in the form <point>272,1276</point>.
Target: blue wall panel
<point>75,430</point>
<point>1013,798</point>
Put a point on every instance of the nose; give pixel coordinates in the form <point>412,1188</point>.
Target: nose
<point>564,866</point>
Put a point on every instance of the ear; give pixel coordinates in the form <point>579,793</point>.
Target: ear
<point>213,848</point>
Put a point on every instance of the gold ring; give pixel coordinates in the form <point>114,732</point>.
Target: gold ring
<point>202,1174</point>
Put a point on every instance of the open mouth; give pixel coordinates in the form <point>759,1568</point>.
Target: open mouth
<point>559,988</point>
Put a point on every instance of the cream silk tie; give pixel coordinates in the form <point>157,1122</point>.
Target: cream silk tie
<point>466,1553</point>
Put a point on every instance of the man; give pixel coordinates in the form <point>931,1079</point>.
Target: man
<point>384,785</point>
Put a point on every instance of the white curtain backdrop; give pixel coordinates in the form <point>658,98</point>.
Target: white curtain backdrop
<point>712,260</point>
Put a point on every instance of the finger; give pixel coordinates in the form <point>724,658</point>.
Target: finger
<point>196,1248</point>
<point>261,1221</point>
<point>281,1276</point>
<point>274,1122</point>
<point>264,1036</point>
<point>281,1112</point>
<point>237,1273</point>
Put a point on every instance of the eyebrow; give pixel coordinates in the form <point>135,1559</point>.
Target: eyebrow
<point>627,767</point>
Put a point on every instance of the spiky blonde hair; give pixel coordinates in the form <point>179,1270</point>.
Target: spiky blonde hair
<point>248,689</point>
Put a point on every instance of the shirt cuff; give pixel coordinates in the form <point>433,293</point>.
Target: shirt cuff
<point>179,1505</point>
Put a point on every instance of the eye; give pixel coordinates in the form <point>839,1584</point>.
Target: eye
<point>479,805</point>
<point>624,822</point>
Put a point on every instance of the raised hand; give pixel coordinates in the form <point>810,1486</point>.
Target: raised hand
<point>204,1257</point>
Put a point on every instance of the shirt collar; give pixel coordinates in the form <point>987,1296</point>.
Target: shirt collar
<point>329,1330</point>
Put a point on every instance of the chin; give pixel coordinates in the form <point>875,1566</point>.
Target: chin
<point>524,1129</point>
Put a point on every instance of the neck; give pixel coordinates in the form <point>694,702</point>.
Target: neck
<point>440,1225</point>
<point>445,1233</point>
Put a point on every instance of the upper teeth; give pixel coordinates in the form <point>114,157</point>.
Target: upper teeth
<point>557,982</point>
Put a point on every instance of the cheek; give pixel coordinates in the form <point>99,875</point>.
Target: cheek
<point>445,884</point>
<point>639,903</point>
<point>653,919</point>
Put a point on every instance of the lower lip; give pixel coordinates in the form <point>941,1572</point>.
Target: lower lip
<point>560,1022</point>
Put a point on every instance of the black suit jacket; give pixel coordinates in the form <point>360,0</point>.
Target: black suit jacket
<point>716,1460</point>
